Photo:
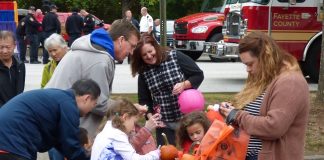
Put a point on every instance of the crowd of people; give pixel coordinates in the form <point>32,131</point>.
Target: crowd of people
<point>37,26</point>
<point>63,117</point>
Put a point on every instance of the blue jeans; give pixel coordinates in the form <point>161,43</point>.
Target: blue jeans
<point>55,154</point>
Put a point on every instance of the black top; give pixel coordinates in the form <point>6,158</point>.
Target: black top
<point>21,27</point>
<point>135,23</point>
<point>12,80</point>
<point>31,24</point>
<point>51,24</point>
<point>191,73</point>
<point>89,26</point>
<point>74,24</point>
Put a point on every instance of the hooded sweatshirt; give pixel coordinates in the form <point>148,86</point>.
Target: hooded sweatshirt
<point>91,56</point>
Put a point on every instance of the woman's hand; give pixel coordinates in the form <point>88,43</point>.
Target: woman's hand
<point>141,108</point>
<point>225,108</point>
<point>179,87</point>
<point>229,112</point>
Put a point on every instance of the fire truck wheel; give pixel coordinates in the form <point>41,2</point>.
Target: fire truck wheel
<point>193,54</point>
<point>215,38</point>
<point>313,61</point>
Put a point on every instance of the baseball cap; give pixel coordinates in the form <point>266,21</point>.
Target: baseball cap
<point>31,8</point>
<point>53,6</point>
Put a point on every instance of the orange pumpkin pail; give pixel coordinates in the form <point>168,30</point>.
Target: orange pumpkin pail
<point>223,142</point>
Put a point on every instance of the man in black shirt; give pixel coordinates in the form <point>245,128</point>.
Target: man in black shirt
<point>32,35</point>
<point>51,25</point>
<point>89,22</point>
<point>74,26</point>
<point>20,34</point>
<point>12,70</point>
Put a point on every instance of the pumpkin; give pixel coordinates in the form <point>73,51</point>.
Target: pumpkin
<point>190,156</point>
<point>168,151</point>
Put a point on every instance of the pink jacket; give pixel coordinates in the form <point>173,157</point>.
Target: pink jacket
<point>142,140</point>
<point>283,118</point>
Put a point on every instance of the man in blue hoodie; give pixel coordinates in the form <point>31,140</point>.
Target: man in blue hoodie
<point>93,56</point>
<point>38,120</point>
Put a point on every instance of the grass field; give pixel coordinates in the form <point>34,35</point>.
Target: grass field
<point>315,129</point>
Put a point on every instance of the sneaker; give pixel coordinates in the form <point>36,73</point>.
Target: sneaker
<point>35,62</point>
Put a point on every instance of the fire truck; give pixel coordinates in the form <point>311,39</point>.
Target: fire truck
<point>294,24</point>
<point>190,32</point>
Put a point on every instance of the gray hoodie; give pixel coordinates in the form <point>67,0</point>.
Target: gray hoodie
<point>85,61</point>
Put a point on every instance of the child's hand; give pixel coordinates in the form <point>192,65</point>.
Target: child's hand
<point>153,122</point>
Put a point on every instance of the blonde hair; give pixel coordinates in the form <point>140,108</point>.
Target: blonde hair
<point>272,61</point>
<point>120,107</point>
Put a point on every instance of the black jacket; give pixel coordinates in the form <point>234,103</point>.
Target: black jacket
<point>31,24</point>
<point>51,24</point>
<point>12,80</point>
<point>74,24</point>
<point>21,27</point>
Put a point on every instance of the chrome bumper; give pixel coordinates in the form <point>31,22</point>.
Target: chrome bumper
<point>185,45</point>
<point>221,49</point>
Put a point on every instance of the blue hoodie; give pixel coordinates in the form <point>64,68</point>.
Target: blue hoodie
<point>102,38</point>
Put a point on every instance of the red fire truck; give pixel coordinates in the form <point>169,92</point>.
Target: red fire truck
<point>190,32</point>
<point>294,24</point>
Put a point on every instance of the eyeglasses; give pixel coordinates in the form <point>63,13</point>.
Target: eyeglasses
<point>133,46</point>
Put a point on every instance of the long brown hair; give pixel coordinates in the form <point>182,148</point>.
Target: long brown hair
<point>119,107</point>
<point>137,63</point>
<point>272,61</point>
<point>189,120</point>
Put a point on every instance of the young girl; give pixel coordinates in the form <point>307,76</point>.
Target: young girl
<point>193,127</point>
<point>112,142</point>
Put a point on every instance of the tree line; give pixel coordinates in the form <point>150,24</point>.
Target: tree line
<point>109,10</point>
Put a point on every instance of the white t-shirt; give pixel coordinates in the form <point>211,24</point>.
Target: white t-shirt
<point>112,143</point>
<point>145,23</point>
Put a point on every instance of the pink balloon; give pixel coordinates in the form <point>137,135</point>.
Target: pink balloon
<point>191,100</point>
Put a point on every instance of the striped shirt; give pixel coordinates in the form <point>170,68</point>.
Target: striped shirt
<point>253,108</point>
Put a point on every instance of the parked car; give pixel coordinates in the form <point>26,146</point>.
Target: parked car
<point>62,16</point>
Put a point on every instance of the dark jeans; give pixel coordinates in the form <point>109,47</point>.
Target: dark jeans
<point>10,156</point>
<point>54,154</point>
<point>169,132</point>
<point>254,157</point>
<point>33,47</point>
<point>22,47</point>
<point>72,38</point>
<point>41,37</point>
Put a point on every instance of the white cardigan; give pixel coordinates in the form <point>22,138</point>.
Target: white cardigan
<point>111,143</point>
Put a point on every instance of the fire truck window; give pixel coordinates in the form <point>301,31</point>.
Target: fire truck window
<point>231,1</point>
<point>260,1</point>
<point>286,1</point>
